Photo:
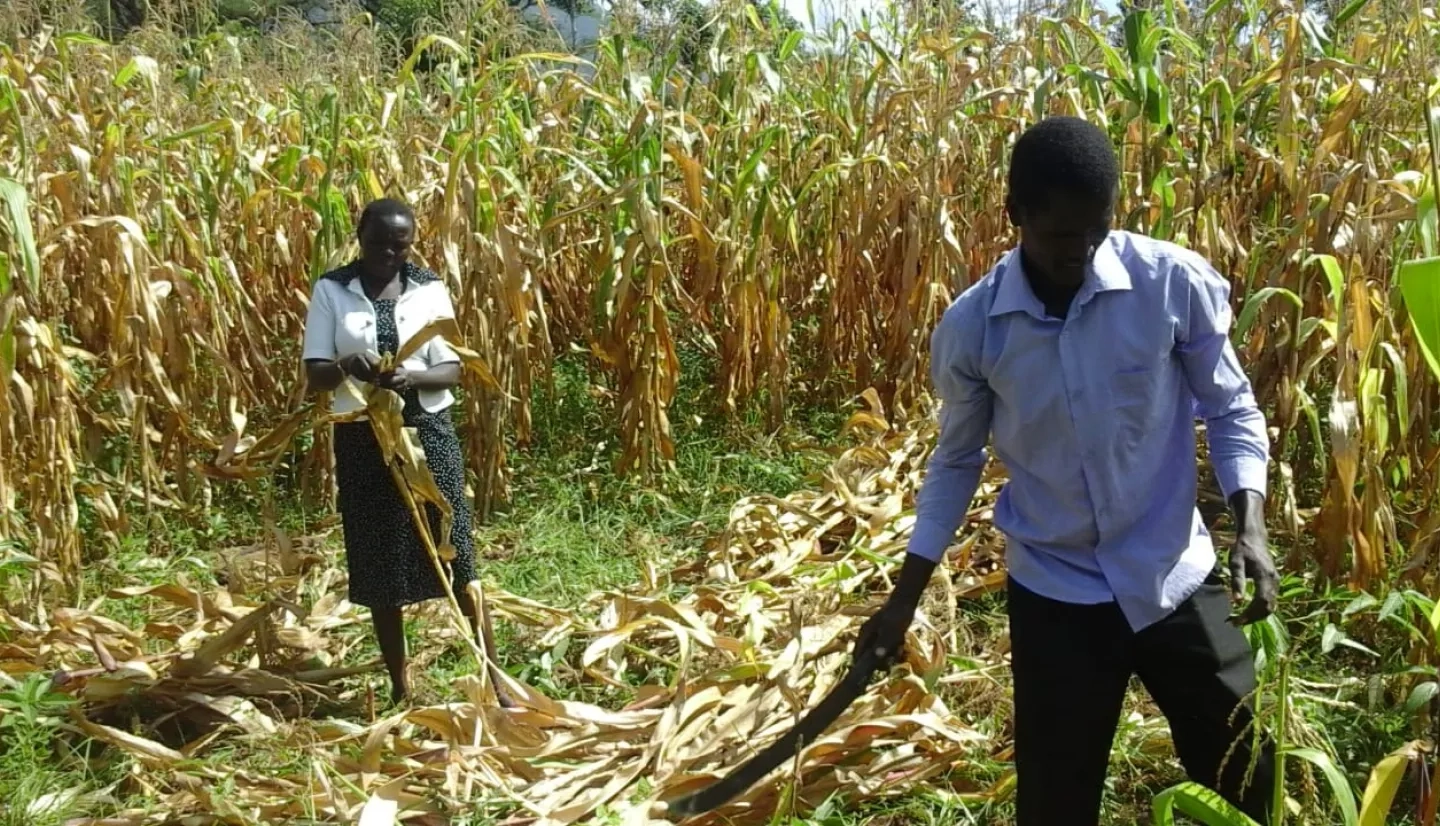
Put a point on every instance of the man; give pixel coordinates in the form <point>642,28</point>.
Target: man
<point>1087,353</point>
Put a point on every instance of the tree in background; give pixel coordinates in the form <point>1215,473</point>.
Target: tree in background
<point>573,9</point>
<point>405,18</point>
<point>687,26</point>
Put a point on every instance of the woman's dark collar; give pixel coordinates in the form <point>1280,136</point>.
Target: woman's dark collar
<point>349,272</point>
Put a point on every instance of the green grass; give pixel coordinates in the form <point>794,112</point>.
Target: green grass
<point>40,762</point>
<point>574,527</point>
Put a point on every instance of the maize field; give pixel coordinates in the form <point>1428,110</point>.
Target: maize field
<point>799,208</point>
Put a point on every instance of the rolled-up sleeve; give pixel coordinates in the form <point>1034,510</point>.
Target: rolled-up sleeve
<point>319,326</point>
<point>953,471</point>
<point>1234,425</point>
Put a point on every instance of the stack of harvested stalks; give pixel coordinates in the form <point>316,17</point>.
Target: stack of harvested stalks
<point>764,628</point>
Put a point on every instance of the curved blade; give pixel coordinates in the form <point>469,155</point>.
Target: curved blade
<point>811,726</point>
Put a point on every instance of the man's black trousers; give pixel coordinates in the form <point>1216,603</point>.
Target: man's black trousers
<point>1071,665</point>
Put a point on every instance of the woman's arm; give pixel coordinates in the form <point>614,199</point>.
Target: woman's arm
<point>323,372</point>
<point>325,368</point>
<point>439,377</point>
<point>322,376</point>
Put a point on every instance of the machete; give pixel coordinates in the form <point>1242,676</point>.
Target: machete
<point>810,727</point>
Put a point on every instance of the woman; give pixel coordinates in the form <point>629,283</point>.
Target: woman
<point>368,307</point>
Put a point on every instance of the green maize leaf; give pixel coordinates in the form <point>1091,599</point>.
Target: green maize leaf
<point>1269,639</point>
<point>339,214</point>
<point>792,42</point>
<point>1309,325</point>
<point>22,234</point>
<point>1402,387</point>
<point>1380,791</point>
<point>407,72</point>
<point>1224,97</point>
<point>754,17</point>
<point>1348,12</point>
<point>212,128</point>
<point>752,164</point>
<point>138,65</point>
<point>1114,61</point>
<point>1255,302</point>
<point>1042,99</point>
<point>80,38</point>
<point>1425,219</point>
<point>1198,802</point>
<point>1339,786</point>
<point>1335,276</point>
<point>1420,286</point>
<point>1179,37</point>
<point>1312,417</point>
<point>757,221</point>
<point>1372,402</point>
<point>1137,25</point>
<point>7,328</point>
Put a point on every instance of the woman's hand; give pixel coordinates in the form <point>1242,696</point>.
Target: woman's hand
<point>398,380</point>
<point>324,375</point>
<point>362,366</point>
<point>439,377</point>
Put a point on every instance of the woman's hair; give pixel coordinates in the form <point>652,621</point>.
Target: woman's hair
<point>384,208</point>
<point>1062,154</point>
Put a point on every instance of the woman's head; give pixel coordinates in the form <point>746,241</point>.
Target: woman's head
<point>1063,182</point>
<point>386,232</point>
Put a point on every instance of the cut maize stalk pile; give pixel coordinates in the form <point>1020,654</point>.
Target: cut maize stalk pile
<point>764,629</point>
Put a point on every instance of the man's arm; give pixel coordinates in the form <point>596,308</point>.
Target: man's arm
<point>951,475</point>
<point>1234,428</point>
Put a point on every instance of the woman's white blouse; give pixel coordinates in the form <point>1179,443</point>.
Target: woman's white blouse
<point>341,322</point>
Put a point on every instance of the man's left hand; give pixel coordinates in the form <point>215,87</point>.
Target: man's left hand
<point>1250,558</point>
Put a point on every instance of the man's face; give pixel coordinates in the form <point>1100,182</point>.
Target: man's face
<point>385,244</point>
<point>1061,237</point>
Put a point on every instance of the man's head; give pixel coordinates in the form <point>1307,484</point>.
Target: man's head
<point>386,231</point>
<point>1063,182</point>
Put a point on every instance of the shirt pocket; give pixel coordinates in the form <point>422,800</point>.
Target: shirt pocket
<point>1134,393</point>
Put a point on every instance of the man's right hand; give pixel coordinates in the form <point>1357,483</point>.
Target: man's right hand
<point>885,630</point>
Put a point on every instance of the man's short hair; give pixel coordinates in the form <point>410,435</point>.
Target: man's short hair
<point>1062,154</point>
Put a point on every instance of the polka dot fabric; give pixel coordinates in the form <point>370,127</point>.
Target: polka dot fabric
<point>386,559</point>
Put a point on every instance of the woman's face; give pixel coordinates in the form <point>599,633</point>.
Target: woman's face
<point>385,245</point>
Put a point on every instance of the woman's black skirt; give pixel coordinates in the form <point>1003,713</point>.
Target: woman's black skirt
<point>385,556</point>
